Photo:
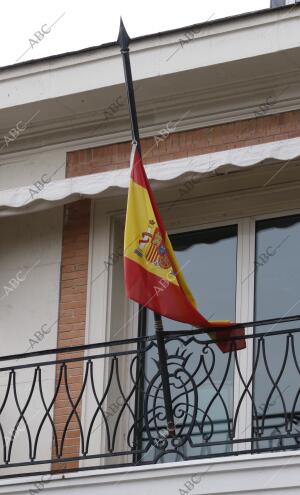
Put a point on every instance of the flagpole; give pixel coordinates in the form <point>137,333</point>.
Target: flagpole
<point>123,41</point>
<point>162,356</point>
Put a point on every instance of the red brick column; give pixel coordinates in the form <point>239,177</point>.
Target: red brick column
<point>71,323</point>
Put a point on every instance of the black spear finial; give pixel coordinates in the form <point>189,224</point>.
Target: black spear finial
<point>123,38</point>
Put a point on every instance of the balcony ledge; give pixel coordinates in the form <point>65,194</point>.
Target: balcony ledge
<point>247,474</point>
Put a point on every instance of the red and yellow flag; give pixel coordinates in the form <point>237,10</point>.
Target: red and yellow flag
<point>153,277</point>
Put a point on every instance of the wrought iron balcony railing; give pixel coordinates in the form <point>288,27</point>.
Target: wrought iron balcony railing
<point>101,405</point>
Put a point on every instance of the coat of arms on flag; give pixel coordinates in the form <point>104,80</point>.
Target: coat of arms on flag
<point>152,247</point>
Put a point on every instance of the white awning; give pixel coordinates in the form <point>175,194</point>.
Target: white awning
<point>27,199</point>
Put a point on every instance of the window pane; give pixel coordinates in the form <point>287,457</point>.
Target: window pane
<point>208,260</point>
<point>277,294</point>
<point>277,267</point>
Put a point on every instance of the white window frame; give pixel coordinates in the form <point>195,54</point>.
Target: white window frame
<point>219,213</point>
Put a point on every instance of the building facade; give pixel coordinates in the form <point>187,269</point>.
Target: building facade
<point>81,404</point>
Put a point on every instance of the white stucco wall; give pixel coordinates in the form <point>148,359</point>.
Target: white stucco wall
<point>30,260</point>
<point>27,168</point>
<point>30,257</point>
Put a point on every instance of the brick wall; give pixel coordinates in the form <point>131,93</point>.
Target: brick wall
<point>72,309</point>
<point>188,143</point>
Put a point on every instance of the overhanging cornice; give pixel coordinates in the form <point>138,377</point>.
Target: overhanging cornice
<point>224,74</point>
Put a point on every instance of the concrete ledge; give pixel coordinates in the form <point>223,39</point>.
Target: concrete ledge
<point>246,474</point>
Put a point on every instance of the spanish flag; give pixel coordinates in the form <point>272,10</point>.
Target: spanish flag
<point>153,277</point>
